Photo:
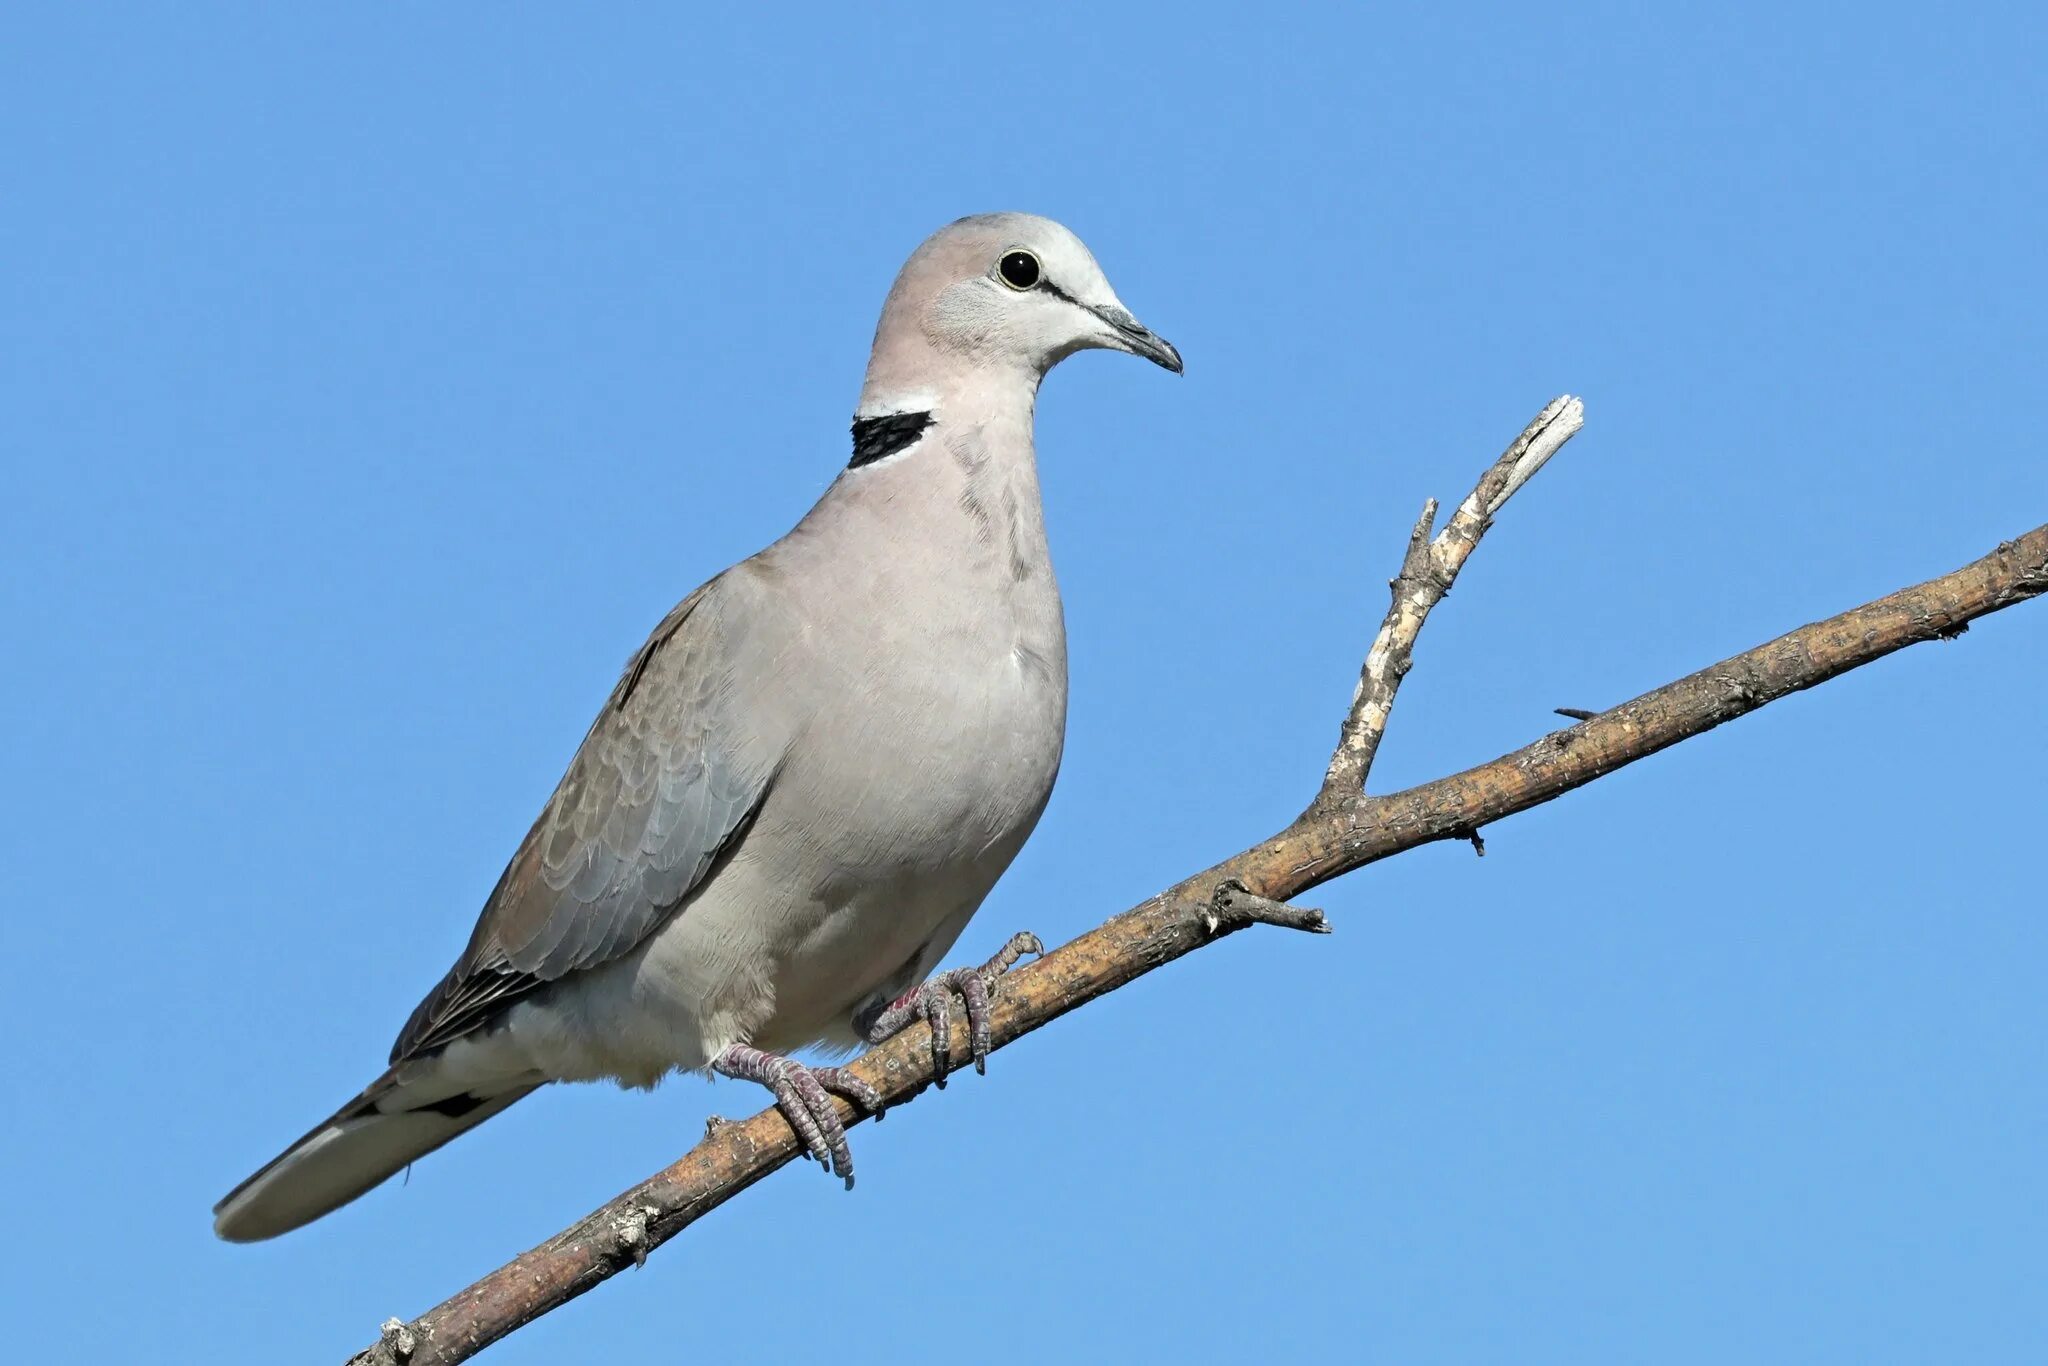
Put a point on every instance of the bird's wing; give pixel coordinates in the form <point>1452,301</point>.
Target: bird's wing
<point>665,784</point>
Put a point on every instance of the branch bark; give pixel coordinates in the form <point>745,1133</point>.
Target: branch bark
<point>1342,829</point>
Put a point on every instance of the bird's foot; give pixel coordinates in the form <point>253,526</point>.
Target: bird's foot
<point>933,1003</point>
<point>804,1095</point>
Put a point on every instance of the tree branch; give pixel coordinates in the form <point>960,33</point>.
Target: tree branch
<point>1427,572</point>
<point>1342,829</point>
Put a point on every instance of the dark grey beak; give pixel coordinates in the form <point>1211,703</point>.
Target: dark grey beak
<point>1141,340</point>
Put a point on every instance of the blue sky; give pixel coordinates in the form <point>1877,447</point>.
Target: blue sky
<point>372,381</point>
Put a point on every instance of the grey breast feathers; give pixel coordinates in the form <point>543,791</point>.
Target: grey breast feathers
<point>664,785</point>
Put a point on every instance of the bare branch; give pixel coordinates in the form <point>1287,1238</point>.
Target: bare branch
<point>1331,838</point>
<point>1427,572</point>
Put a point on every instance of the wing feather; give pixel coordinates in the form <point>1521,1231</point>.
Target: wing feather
<point>663,786</point>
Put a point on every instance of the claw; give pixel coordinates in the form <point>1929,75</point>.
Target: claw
<point>804,1095</point>
<point>975,990</point>
<point>933,1003</point>
<point>937,1003</point>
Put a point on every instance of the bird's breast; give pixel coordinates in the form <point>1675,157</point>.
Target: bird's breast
<point>948,730</point>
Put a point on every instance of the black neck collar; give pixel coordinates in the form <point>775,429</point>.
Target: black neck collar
<point>876,437</point>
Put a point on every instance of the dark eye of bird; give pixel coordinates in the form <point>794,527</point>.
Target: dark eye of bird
<point>1019,269</point>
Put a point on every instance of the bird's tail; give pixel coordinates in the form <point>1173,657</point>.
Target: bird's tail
<point>397,1120</point>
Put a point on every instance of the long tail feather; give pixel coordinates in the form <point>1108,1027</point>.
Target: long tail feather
<point>367,1141</point>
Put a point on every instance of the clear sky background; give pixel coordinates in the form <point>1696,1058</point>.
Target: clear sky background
<point>372,381</point>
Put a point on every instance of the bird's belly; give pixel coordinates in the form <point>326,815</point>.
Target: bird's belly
<point>858,874</point>
<point>896,881</point>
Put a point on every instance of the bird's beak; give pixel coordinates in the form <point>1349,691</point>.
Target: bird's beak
<point>1138,339</point>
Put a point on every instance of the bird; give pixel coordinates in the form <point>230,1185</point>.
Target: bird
<point>806,780</point>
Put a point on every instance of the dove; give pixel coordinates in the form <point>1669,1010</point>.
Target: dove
<point>803,784</point>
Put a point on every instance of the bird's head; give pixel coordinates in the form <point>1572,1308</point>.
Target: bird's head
<point>1003,291</point>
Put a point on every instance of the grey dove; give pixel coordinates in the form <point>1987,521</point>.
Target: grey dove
<point>806,780</point>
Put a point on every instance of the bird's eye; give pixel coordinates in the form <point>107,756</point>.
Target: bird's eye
<point>1019,269</point>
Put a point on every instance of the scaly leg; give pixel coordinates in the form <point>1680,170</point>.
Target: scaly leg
<point>933,1003</point>
<point>804,1095</point>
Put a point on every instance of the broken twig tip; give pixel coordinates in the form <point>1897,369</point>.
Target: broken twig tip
<point>1478,844</point>
<point>398,1339</point>
<point>1233,903</point>
<point>1576,713</point>
<point>632,1234</point>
